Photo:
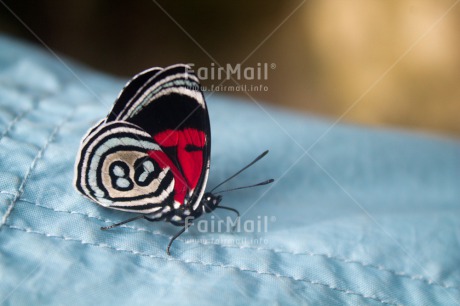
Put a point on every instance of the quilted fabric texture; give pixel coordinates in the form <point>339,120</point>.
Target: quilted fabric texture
<point>357,216</point>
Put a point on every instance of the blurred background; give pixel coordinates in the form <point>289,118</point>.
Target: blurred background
<point>386,63</point>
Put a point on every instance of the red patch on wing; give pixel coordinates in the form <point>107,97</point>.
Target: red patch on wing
<point>190,144</point>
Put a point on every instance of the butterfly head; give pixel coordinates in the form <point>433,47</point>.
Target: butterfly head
<point>210,201</point>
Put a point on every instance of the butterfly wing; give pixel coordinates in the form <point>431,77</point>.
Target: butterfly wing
<point>130,90</point>
<point>167,107</point>
<point>115,170</point>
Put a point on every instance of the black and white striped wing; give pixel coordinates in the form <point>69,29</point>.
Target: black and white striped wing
<point>114,170</point>
<point>152,152</point>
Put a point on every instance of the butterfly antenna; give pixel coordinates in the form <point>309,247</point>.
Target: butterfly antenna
<point>249,186</point>
<point>244,168</point>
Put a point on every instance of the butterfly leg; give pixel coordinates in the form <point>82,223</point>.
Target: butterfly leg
<point>174,238</point>
<point>121,223</point>
<point>235,211</point>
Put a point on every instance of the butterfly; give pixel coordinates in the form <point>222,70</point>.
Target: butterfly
<point>151,154</point>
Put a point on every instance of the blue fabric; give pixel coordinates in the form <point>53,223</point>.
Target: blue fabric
<point>356,215</point>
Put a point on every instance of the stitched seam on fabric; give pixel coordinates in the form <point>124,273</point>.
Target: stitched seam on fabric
<point>14,121</point>
<point>106,246</point>
<point>276,251</point>
<point>9,193</point>
<point>32,166</point>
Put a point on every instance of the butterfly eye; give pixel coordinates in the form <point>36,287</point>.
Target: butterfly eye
<point>146,170</point>
<point>119,174</point>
